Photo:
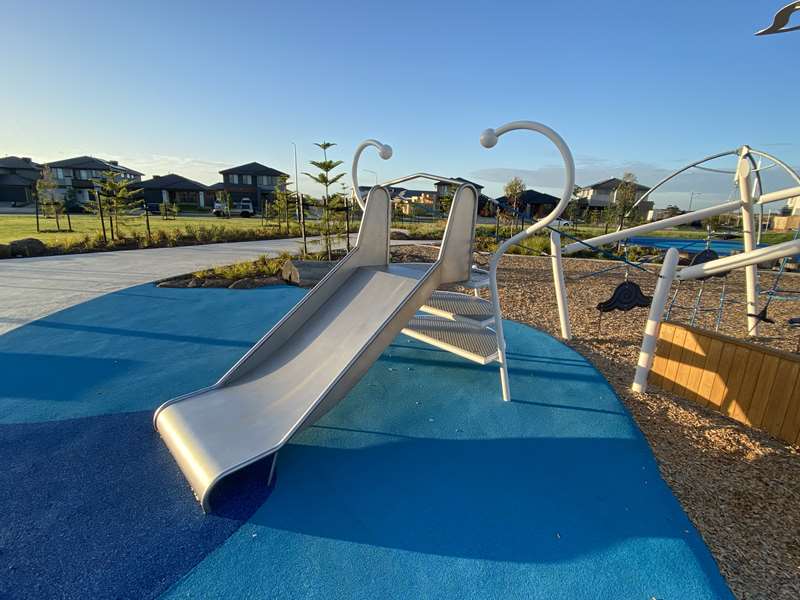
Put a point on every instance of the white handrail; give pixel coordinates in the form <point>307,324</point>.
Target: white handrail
<point>737,261</point>
<point>384,151</point>
<point>488,140</point>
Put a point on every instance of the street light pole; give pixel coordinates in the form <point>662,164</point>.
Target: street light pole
<point>301,213</point>
<point>691,198</point>
<point>373,172</point>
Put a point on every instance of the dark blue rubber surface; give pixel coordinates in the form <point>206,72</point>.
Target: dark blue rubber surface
<point>422,483</point>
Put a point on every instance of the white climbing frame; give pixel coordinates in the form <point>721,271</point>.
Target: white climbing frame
<point>746,177</point>
<point>653,324</point>
<point>559,285</point>
<point>488,140</point>
<point>669,273</point>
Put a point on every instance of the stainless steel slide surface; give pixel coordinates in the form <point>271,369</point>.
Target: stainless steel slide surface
<point>307,362</point>
<point>222,429</point>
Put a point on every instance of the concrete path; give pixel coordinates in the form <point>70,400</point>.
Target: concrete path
<point>31,288</point>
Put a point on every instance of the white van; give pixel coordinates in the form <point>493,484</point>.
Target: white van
<point>244,208</point>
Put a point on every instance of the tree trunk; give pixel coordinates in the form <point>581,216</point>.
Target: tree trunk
<point>102,217</point>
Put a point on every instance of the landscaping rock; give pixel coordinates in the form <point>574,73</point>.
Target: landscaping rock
<point>398,234</point>
<point>174,283</point>
<point>5,251</point>
<point>28,247</point>
<point>217,283</point>
<point>249,283</point>
<point>305,273</point>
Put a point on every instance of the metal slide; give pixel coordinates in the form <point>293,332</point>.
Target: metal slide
<point>307,362</point>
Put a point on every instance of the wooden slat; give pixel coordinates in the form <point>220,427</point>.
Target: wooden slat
<point>719,389</point>
<point>781,397</point>
<point>697,363</point>
<point>790,430</point>
<point>741,408</point>
<point>761,393</point>
<point>738,367</point>
<point>709,371</point>
<point>673,362</point>
<point>755,385</point>
<point>684,364</point>
<point>660,360</point>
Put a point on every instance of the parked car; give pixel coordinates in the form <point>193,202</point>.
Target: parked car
<point>561,223</point>
<point>244,208</point>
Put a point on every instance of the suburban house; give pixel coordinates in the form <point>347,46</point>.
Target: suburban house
<point>416,202</point>
<point>253,181</point>
<point>175,189</point>
<point>79,175</point>
<point>18,180</point>
<point>657,214</point>
<point>603,194</point>
<point>532,204</point>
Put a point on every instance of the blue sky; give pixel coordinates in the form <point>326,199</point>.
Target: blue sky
<point>193,87</point>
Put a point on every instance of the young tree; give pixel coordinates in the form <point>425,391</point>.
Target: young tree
<point>48,199</point>
<point>226,200</point>
<point>624,198</point>
<point>325,179</point>
<point>282,202</point>
<point>513,191</point>
<point>114,199</point>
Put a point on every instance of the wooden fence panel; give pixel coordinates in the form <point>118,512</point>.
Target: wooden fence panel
<point>752,384</point>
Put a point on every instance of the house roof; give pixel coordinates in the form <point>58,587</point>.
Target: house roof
<point>461,179</point>
<point>12,179</point>
<point>16,162</point>
<point>613,183</point>
<point>531,197</point>
<point>217,186</point>
<point>90,162</point>
<point>477,185</point>
<point>172,182</point>
<point>255,168</point>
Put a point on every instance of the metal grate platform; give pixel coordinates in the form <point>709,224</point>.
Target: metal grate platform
<point>456,306</point>
<point>478,279</point>
<point>477,344</point>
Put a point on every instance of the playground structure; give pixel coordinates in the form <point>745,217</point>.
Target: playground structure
<point>748,181</point>
<point>322,347</point>
<point>305,364</point>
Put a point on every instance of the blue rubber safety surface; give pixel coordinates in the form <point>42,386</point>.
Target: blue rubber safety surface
<point>421,483</point>
<point>721,247</point>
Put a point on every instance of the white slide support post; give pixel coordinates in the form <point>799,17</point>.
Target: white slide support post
<point>743,175</point>
<point>659,302</point>
<point>559,285</point>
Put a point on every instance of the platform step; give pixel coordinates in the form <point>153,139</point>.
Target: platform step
<point>460,307</point>
<point>477,344</point>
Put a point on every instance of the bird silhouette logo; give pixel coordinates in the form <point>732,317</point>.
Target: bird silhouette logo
<point>781,20</point>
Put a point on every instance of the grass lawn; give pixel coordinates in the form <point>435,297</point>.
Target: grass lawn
<point>14,227</point>
<point>184,229</point>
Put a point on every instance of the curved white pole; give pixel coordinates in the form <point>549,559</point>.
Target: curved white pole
<point>673,175</point>
<point>559,285</point>
<point>659,301</point>
<point>384,151</point>
<point>488,140</point>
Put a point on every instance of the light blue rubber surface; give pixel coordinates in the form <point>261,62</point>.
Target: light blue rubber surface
<point>422,483</point>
